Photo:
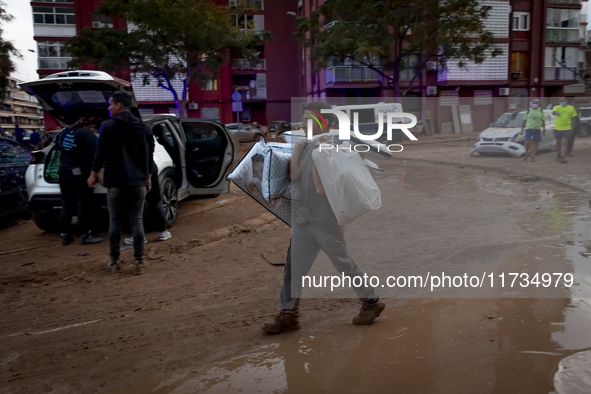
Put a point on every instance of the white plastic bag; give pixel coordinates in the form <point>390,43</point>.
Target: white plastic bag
<point>249,176</point>
<point>349,187</point>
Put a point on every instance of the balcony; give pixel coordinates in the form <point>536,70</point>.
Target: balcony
<point>560,73</point>
<point>352,74</point>
<point>251,4</point>
<point>54,63</point>
<point>244,64</point>
<point>564,1</point>
<point>562,35</point>
<point>249,93</point>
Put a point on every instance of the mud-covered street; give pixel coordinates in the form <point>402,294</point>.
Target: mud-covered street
<point>191,322</point>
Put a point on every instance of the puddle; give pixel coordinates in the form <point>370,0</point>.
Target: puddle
<point>436,220</point>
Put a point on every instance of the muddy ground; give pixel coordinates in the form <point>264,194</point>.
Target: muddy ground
<point>191,322</point>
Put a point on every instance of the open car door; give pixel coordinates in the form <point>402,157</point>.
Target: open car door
<point>211,152</point>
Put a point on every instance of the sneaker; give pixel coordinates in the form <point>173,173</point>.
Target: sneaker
<point>367,316</point>
<point>89,239</point>
<point>533,158</point>
<point>163,236</point>
<point>113,265</point>
<point>129,241</point>
<point>67,239</point>
<point>283,322</point>
<point>138,267</point>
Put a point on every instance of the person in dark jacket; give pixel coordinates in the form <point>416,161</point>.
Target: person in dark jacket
<point>125,148</point>
<point>77,145</point>
<point>19,133</point>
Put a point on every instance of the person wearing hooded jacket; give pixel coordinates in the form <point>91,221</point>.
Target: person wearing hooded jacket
<point>125,148</point>
<point>77,145</point>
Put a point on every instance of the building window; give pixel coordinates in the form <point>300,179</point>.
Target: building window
<point>249,22</point>
<point>521,21</point>
<point>483,97</point>
<point>54,15</point>
<point>408,67</point>
<point>560,63</point>
<point>251,4</point>
<point>52,55</point>
<point>562,25</point>
<point>209,84</point>
<point>519,65</point>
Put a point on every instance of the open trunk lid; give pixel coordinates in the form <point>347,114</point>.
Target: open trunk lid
<point>71,95</point>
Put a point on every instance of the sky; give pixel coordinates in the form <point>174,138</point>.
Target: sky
<point>20,32</point>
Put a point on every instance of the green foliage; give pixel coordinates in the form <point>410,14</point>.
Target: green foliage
<point>7,50</point>
<point>168,39</point>
<point>391,31</point>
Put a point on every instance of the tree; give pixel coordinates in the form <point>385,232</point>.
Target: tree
<point>387,33</point>
<point>167,39</point>
<point>7,50</point>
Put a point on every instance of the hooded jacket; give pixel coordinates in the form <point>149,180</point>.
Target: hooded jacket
<point>77,145</point>
<point>126,149</point>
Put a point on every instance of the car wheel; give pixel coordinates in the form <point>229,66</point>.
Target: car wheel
<point>49,222</point>
<point>170,201</point>
<point>585,130</point>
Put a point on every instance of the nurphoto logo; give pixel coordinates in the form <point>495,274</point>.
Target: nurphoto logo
<point>394,121</point>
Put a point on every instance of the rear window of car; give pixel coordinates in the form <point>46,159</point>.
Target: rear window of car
<point>11,155</point>
<point>585,112</point>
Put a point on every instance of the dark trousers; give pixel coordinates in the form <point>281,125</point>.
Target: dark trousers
<point>126,203</point>
<point>76,200</point>
<point>154,201</point>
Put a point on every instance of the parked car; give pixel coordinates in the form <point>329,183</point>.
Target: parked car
<point>277,127</point>
<point>193,156</point>
<point>245,133</point>
<point>585,121</point>
<point>14,160</point>
<point>503,135</point>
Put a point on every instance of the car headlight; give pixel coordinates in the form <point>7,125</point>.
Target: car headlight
<point>514,137</point>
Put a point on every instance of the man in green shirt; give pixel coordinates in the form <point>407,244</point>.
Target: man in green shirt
<point>533,122</point>
<point>563,127</point>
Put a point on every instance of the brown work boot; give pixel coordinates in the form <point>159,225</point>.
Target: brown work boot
<point>138,267</point>
<point>367,316</point>
<point>283,322</point>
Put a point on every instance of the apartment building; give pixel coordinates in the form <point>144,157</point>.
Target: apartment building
<point>266,88</point>
<point>18,107</point>
<point>543,55</point>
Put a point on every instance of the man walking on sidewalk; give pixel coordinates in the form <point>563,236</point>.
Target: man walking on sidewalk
<point>125,148</point>
<point>563,127</point>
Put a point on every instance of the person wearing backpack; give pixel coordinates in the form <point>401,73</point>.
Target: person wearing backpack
<point>77,145</point>
<point>533,123</point>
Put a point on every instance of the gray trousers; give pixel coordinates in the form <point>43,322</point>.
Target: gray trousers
<point>307,241</point>
<point>126,203</point>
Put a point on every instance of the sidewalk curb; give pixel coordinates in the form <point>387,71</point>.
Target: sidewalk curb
<point>498,170</point>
